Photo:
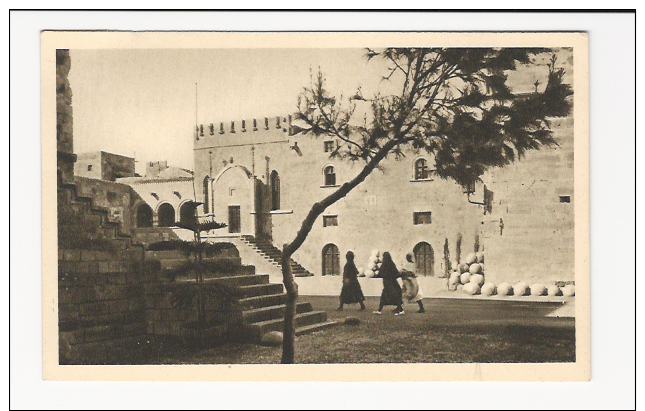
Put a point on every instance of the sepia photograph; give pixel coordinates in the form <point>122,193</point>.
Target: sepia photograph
<point>327,199</point>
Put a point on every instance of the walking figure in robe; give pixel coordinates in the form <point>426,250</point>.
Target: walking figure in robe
<point>392,294</point>
<point>351,292</point>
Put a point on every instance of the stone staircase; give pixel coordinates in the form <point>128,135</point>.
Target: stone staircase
<point>263,305</point>
<point>272,254</point>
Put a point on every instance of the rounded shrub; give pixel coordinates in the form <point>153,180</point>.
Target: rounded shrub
<point>504,289</point>
<point>488,289</point>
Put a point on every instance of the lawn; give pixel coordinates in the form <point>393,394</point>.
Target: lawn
<point>450,331</point>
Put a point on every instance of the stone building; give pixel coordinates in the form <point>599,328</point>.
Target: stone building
<point>261,179</point>
<point>103,166</point>
<point>164,192</point>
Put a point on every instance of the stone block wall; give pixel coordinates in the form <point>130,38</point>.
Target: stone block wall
<point>100,302</point>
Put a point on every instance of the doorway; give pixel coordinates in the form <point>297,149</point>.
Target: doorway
<point>234,223</point>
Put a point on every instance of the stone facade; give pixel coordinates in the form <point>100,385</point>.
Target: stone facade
<point>104,166</point>
<point>242,169</point>
<point>163,193</point>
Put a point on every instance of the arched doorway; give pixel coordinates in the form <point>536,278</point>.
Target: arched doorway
<point>144,216</point>
<point>166,214</point>
<point>186,213</point>
<point>330,260</point>
<point>424,256</point>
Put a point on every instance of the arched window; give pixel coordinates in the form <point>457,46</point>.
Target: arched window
<point>330,176</point>
<point>186,213</point>
<point>424,256</point>
<point>206,194</point>
<point>144,216</point>
<point>331,260</point>
<point>421,171</point>
<point>166,215</point>
<point>275,190</point>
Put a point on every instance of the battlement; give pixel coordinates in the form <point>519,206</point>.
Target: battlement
<point>244,126</point>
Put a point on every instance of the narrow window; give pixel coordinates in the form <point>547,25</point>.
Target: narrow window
<point>330,220</point>
<point>421,169</point>
<point>275,190</point>
<point>89,167</point>
<point>329,146</point>
<point>330,176</point>
<point>206,207</point>
<point>565,199</point>
<point>422,217</point>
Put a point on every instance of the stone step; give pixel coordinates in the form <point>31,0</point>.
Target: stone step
<point>260,289</point>
<point>315,327</point>
<point>263,301</point>
<point>256,330</point>
<point>241,280</point>
<point>272,312</point>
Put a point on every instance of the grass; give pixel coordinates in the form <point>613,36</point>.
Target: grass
<point>451,331</point>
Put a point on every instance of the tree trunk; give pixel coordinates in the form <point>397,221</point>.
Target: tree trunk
<point>289,330</point>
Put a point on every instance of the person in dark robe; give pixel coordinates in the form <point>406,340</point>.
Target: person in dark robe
<point>351,292</point>
<point>392,294</point>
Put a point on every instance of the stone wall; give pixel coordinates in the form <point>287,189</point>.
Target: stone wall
<point>64,120</point>
<point>117,199</point>
<point>100,302</point>
<point>378,214</point>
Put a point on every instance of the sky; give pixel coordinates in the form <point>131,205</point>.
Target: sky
<point>145,103</point>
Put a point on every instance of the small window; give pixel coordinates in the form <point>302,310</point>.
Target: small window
<point>565,199</point>
<point>89,167</point>
<point>421,171</point>
<point>329,146</point>
<point>422,217</point>
<point>330,220</point>
<point>330,176</point>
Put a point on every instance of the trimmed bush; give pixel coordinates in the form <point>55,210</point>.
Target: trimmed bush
<point>472,289</point>
<point>474,268</point>
<point>463,267</point>
<point>553,290</point>
<point>538,290</point>
<point>488,289</point>
<point>477,279</point>
<point>480,257</point>
<point>504,289</point>
<point>471,258</point>
<point>521,289</point>
<point>465,277</point>
<point>569,290</point>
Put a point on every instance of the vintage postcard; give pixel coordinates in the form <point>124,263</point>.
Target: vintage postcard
<point>369,206</point>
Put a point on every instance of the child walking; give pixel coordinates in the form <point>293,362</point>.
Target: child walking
<point>411,289</point>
